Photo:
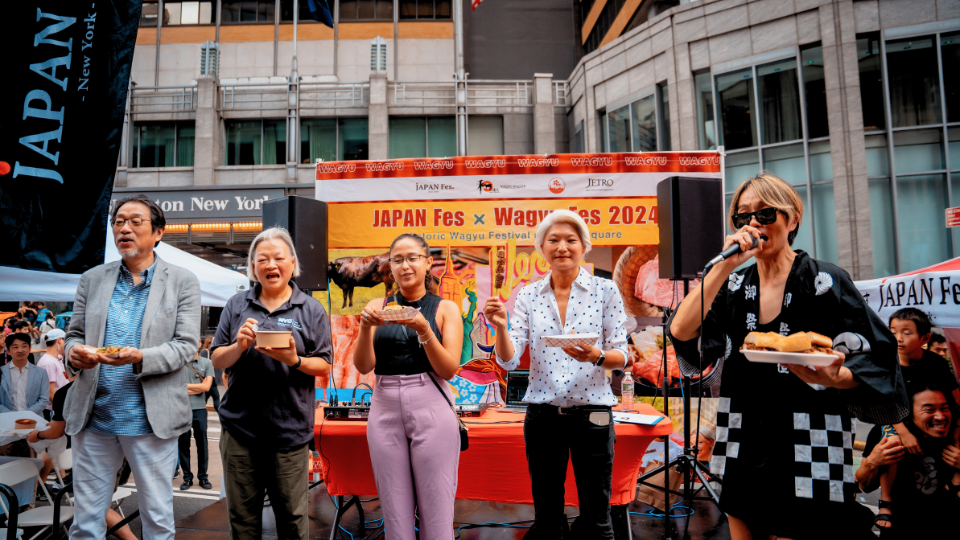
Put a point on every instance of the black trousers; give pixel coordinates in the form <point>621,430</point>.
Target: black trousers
<point>199,429</point>
<point>552,439</point>
<point>215,393</point>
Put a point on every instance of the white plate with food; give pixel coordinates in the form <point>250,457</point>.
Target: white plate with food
<point>583,341</point>
<point>394,312</point>
<point>801,348</point>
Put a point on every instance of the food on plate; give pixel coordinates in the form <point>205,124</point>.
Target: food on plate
<point>392,306</point>
<point>25,423</point>
<point>800,342</point>
<point>110,350</point>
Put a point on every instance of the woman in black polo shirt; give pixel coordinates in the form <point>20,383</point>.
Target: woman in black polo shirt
<point>268,410</point>
<point>413,435</point>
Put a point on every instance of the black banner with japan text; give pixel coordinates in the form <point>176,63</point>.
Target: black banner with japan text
<point>67,72</point>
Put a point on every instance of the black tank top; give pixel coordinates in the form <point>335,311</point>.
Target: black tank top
<point>397,347</point>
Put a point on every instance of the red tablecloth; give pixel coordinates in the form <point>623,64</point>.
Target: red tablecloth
<point>493,469</point>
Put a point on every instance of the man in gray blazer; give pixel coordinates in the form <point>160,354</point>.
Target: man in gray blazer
<point>134,405</point>
<point>23,387</point>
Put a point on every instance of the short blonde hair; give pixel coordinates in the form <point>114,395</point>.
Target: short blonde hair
<point>273,233</point>
<point>772,191</point>
<point>563,216</point>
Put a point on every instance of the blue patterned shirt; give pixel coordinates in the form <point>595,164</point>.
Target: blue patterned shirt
<point>119,408</point>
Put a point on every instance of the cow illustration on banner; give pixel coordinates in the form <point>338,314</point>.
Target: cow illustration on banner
<point>470,210</point>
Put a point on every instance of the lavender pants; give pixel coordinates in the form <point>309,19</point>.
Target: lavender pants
<point>414,444</point>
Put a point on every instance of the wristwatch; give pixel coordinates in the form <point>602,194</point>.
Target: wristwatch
<point>603,356</point>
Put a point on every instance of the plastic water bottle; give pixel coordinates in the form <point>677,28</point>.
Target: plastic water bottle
<point>626,392</point>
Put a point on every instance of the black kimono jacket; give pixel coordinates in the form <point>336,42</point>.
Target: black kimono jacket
<point>785,448</point>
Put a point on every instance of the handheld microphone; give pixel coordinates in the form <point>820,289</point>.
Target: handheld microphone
<point>729,252</point>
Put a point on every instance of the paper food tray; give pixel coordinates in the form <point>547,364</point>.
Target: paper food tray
<point>584,341</point>
<point>803,359</point>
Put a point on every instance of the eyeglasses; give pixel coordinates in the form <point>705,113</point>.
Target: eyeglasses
<point>765,216</point>
<point>412,259</point>
<point>135,222</point>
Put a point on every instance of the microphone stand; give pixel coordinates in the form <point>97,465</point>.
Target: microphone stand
<point>687,462</point>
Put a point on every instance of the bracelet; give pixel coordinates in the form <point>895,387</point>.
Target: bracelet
<point>299,361</point>
<point>39,438</point>
<point>424,342</point>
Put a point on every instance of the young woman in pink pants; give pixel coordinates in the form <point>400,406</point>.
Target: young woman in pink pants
<point>413,435</point>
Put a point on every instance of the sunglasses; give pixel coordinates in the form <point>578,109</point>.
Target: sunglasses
<point>765,216</point>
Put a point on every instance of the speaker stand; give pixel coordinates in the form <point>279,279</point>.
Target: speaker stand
<point>687,462</point>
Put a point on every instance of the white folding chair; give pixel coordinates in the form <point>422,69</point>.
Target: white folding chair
<point>21,471</point>
<point>64,461</point>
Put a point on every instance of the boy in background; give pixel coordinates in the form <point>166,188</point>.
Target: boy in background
<point>919,368</point>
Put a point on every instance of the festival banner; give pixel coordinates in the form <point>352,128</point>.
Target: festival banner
<point>65,88</point>
<point>469,209</point>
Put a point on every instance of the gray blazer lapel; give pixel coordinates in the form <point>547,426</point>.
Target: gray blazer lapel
<point>100,304</point>
<point>157,287</point>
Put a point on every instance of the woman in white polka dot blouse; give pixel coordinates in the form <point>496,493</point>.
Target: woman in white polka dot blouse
<point>569,397</point>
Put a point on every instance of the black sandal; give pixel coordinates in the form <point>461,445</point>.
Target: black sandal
<point>884,517</point>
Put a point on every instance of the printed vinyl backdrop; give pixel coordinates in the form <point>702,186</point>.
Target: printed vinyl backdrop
<point>466,208</point>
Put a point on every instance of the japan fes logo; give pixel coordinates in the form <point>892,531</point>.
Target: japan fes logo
<point>557,185</point>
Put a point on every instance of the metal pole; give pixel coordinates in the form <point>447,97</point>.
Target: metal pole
<point>217,37</point>
<point>460,76</point>
<point>396,40</point>
<point>156,70</point>
<point>276,32</point>
<point>336,33</point>
<point>296,15</point>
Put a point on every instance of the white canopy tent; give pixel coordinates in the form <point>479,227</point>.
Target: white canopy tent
<point>934,290</point>
<point>217,284</point>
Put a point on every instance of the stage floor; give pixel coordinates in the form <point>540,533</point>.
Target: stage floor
<point>211,522</point>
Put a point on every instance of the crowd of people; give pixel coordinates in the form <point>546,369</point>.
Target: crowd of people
<point>784,431</point>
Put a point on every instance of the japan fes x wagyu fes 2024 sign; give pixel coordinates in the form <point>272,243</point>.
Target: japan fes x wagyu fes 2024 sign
<point>468,209</point>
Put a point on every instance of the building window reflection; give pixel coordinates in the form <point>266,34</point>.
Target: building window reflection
<point>163,144</point>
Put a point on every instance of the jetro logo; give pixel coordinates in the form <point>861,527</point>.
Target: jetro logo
<point>557,185</point>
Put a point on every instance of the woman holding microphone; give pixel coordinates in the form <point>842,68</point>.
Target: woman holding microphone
<point>268,410</point>
<point>569,397</point>
<point>784,440</point>
<point>413,434</point>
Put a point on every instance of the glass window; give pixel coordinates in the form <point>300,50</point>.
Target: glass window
<point>950,55</point>
<point>917,151</point>
<point>738,128</point>
<point>318,140</point>
<point>618,125</point>
<point>148,14</point>
<point>914,82</point>
<point>921,202</point>
<point>442,136</point>
<point>353,139</point>
<point>664,120</point>
<point>881,227</point>
<point>602,131</point>
<point>953,135</point>
<point>871,83</point>
<point>286,11</point>
<point>243,142</point>
<point>366,10</point>
<point>578,146</point>
<point>780,102</point>
<point>821,163</point>
<point>825,223</point>
<point>786,162</point>
<point>186,141</point>
<point>407,137</point>
<point>815,92</point>
<point>484,136</point>
<point>804,240</point>
<point>644,125</point>
<point>156,147</point>
<point>247,11</point>
<point>274,142</point>
<point>739,167</point>
<point>878,159</point>
<point>705,131</point>
<point>424,9</point>
<point>171,13</point>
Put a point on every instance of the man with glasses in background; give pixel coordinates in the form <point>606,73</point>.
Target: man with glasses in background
<point>133,402</point>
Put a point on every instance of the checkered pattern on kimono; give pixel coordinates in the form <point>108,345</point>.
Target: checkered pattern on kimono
<point>727,445</point>
<point>823,447</point>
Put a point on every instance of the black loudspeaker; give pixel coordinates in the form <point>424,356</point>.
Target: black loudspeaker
<point>306,219</point>
<point>690,212</point>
